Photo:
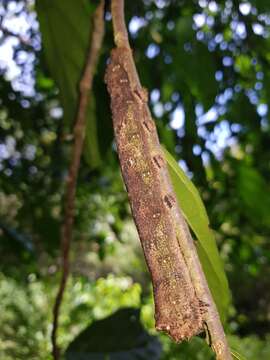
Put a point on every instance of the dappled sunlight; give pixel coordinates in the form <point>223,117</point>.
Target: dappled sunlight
<point>206,67</point>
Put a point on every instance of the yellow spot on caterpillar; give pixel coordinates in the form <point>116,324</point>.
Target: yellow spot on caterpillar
<point>146,174</point>
<point>130,162</point>
<point>116,67</point>
<point>156,215</point>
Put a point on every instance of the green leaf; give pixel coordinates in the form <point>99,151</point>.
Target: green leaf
<point>262,5</point>
<point>253,191</point>
<point>189,70</point>
<point>65,28</point>
<point>236,355</point>
<point>195,214</point>
<point>120,336</point>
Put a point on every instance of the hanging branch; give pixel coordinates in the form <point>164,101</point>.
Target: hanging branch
<point>79,135</point>
<point>183,303</point>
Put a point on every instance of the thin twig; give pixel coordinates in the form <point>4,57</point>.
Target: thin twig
<point>144,181</point>
<point>79,135</point>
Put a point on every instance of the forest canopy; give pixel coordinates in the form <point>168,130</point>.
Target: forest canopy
<point>206,66</point>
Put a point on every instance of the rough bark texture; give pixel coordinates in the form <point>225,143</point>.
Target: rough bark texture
<point>178,310</point>
<point>183,302</point>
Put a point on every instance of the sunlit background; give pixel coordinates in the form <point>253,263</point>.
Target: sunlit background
<point>206,65</point>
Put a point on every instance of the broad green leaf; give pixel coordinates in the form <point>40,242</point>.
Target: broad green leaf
<point>236,355</point>
<point>195,214</point>
<point>189,70</point>
<point>120,336</point>
<point>65,28</point>
<point>262,5</point>
<point>253,191</point>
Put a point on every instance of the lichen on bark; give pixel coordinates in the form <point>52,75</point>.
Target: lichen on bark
<point>177,307</point>
<point>183,303</point>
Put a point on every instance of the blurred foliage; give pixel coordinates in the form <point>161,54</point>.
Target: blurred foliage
<point>26,309</point>
<point>206,66</point>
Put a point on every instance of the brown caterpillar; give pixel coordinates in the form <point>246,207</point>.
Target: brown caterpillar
<point>160,224</point>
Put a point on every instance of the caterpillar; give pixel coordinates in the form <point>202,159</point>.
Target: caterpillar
<point>159,221</point>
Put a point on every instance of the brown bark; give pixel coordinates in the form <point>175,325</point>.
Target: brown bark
<point>79,135</point>
<point>183,303</point>
<point>178,309</point>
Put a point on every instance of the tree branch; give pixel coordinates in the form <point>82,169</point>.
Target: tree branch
<point>183,303</point>
<point>79,135</point>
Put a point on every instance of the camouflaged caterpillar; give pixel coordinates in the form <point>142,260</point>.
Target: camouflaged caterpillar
<point>178,311</point>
